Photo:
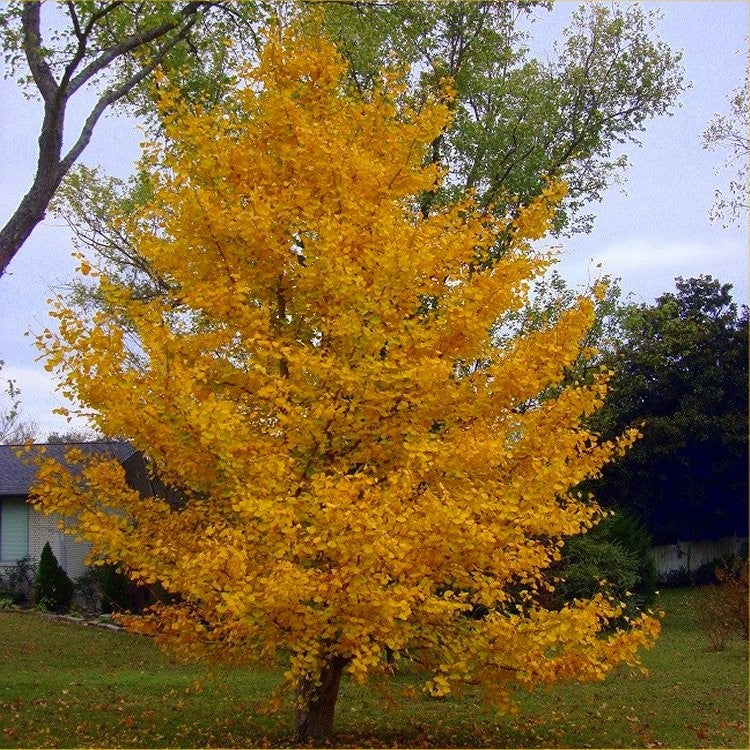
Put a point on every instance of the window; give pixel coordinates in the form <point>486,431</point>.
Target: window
<point>14,529</point>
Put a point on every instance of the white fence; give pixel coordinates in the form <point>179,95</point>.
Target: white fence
<point>689,556</point>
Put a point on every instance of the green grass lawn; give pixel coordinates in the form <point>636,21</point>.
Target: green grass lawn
<point>71,686</point>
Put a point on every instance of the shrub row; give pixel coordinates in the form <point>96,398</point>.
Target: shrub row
<point>101,589</point>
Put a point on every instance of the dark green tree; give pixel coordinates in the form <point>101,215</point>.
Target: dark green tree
<point>681,370</point>
<point>616,551</point>
<point>115,587</point>
<point>52,587</point>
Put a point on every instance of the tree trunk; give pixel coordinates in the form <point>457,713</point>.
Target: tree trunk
<point>49,174</point>
<point>314,715</point>
<point>29,213</point>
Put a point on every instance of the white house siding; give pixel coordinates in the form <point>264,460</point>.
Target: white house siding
<point>689,556</point>
<point>70,552</point>
<point>76,553</point>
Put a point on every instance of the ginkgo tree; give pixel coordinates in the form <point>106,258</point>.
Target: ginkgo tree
<point>362,475</point>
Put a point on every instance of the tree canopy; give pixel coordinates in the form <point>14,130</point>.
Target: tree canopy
<point>351,490</point>
<point>681,369</point>
<point>518,118</point>
<point>515,118</point>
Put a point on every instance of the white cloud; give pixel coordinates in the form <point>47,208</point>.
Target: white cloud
<point>648,266</point>
<point>637,254</point>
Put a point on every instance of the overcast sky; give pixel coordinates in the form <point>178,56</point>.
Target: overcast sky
<point>656,229</point>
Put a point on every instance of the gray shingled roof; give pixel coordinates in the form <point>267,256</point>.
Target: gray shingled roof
<point>16,475</point>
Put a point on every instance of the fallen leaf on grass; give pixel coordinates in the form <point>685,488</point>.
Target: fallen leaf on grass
<point>702,732</point>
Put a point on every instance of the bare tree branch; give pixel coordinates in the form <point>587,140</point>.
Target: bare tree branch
<point>114,95</point>
<point>52,166</point>
<point>134,41</point>
<point>32,43</point>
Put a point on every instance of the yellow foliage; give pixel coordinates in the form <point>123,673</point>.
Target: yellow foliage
<point>320,383</point>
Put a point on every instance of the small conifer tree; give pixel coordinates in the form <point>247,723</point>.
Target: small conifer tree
<point>52,587</point>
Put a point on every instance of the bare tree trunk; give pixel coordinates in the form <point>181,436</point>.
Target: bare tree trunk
<point>52,165</point>
<point>314,716</point>
<point>30,212</point>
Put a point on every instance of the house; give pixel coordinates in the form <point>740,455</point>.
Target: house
<point>24,531</point>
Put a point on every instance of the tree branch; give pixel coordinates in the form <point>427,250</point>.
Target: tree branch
<point>106,10</point>
<point>138,39</point>
<point>32,44</point>
<point>76,23</point>
<point>80,50</point>
<point>114,95</point>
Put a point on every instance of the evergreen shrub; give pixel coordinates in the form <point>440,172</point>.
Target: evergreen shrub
<point>617,552</point>
<point>116,589</point>
<point>53,590</point>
